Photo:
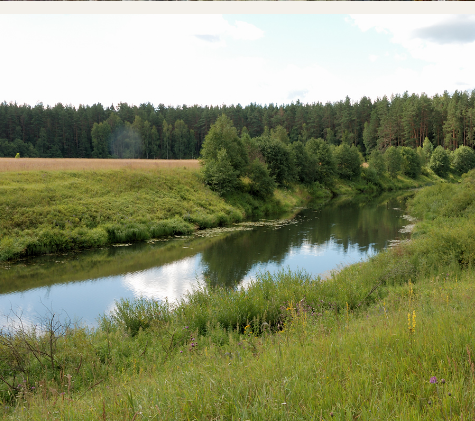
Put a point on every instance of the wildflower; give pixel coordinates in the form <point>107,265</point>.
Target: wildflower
<point>433,380</point>
<point>442,381</point>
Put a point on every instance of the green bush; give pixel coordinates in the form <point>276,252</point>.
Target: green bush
<point>263,185</point>
<point>305,165</point>
<point>371,176</point>
<point>376,162</point>
<point>463,159</point>
<point>411,163</point>
<point>322,159</point>
<point>223,135</point>
<point>137,314</point>
<point>219,174</point>
<point>279,159</point>
<point>394,161</point>
<point>348,161</point>
<point>427,150</point>
<point>439,162</point>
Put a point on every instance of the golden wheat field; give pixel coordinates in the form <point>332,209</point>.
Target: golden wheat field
<point>76,164</point>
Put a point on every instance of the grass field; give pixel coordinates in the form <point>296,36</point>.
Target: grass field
<point>76,164</point>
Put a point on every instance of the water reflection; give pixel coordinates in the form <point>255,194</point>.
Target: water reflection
<point>87,284</point>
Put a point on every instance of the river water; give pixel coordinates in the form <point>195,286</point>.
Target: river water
<point>83,285</point>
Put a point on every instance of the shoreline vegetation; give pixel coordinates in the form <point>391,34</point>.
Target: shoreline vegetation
<point>44,212</point>
<point>389,338</point>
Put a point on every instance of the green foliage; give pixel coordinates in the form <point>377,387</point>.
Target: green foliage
<point>370,132</point>
<point>439,162</point>
<point>280,134</point>
<point>279,159</point>
<point>263,185</point>
<point>376,162</point>
<point>101,136</point>
<point>16,149</point>
<point>448,231</point>
<point>219,173</point>
<point>134,315</point>
<point>371,176</point>
<point>322,160</point>
<point>427,150</point>
<point>330,137</point>
<point>305,165</point>
<point>223,135</point>
<point>411,163</point>
<point>348,161</point>
<point>394,160</point>
<point>463,159</point>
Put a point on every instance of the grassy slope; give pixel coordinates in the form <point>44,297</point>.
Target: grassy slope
<point>362,345</point>
<point>42,212</point>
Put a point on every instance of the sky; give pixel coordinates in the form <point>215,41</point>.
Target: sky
<point>229,59</point>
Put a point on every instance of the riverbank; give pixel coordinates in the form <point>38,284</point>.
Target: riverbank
<point>391,338</point>
<point>56,211</point>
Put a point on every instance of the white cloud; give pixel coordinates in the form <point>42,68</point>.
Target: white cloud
<point>446,55</point>
<point>373,57</point>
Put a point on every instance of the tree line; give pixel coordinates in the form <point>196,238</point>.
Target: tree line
<point>257,165</point>
<point>146,131</point>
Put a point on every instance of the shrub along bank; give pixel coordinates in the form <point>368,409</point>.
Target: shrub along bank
<point>390,338</point>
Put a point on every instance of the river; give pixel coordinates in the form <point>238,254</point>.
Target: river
<point>83,285</point>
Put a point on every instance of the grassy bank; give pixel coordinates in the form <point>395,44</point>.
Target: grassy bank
<point>369,184</point>
<point>391,338</point>
<point>54,211</point>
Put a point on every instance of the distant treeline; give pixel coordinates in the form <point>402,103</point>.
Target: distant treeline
<point>178,132</point>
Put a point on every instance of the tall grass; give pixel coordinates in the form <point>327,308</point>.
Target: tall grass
<point>320,364</point>
<point>43,212</point>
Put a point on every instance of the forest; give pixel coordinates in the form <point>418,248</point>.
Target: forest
<point>167,132</point>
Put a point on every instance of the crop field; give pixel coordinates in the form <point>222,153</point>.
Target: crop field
<point>74,164</point>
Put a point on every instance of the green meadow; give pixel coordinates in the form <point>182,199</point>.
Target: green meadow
<point>391,338</point>
<point>54,211</point>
